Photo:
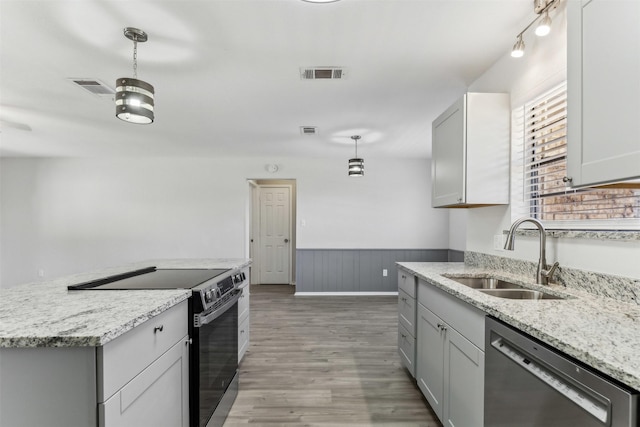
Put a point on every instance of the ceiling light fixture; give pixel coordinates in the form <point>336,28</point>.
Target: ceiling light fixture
<point>541,8</point>
<point>544,27</point>
<point>134,98</point>
<point>356,165</point>
<point>518,48</point>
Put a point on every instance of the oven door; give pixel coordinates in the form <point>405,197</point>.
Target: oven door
<point>214,361</point>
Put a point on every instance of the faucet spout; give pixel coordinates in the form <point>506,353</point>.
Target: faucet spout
<point>542,273</point>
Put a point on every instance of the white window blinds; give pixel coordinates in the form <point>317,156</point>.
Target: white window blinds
<point>541,161</point>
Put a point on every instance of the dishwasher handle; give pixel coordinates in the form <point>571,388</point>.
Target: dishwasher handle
<point>578,395</point>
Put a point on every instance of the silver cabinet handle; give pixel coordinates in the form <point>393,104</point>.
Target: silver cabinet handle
<point>158,329</point>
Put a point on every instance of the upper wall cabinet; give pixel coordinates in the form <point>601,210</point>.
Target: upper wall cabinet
<point>471,152</point>
<point>603,90</point>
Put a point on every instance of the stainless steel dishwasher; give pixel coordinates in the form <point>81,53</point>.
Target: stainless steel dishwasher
<point>529,384</point>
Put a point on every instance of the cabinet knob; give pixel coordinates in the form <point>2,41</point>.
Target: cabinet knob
<point>567,180</point>
<point>158,329</point>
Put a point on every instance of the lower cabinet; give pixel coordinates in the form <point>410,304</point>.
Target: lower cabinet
<point>158,396</point>
<point>143,376</point>
<point>407,320</point>
<point>243,322</point>
<point>139,379</point>
<point>449,366</point>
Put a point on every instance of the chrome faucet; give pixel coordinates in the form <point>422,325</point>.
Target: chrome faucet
<point>543,272</point>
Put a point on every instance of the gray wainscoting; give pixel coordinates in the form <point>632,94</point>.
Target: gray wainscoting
<point>456,256</point>
<point>356,270</point>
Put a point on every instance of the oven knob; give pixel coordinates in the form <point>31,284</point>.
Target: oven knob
<point>243,276</point>
<point>207,296</point>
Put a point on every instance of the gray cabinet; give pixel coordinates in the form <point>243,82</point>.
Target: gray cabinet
<point>243,320</point>
<point>157,396</point>
<point>407,320</point>
<point>603,95</point>
<point>143,375</point>
<point>470,161</point>
<point>450,356</point>
<point>139,378</point>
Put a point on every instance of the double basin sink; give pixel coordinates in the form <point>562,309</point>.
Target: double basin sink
<point>502,288</point>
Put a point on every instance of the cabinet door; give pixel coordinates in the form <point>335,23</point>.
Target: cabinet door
<point>407,350</point>
<point>448,157</point>
<point>464,382</point>
<point>603,91</point>
<point>158,396</point>
<point>243,338</point>
<point>429,358</point>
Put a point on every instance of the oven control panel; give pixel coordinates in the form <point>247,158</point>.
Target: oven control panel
<point>238,278</point>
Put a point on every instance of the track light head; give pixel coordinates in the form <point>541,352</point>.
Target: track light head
<point>544,27</point>
<point>518,48</point>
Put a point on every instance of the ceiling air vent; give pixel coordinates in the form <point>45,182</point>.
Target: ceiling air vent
<point>308,130</point>
<point>94,86</point>
<point>323,73</point>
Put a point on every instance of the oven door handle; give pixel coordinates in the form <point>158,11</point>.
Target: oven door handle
<point>200,319</point>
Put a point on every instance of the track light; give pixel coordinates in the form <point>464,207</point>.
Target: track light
<point>541,8</point>
<point>518,48</point>
<point>544,27</point>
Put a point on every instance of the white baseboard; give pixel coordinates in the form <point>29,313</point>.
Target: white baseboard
<point>344,294</point>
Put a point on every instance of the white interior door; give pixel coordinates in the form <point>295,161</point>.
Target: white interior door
<point>275,226</point>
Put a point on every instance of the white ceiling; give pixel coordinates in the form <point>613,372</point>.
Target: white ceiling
<point>226,73</point>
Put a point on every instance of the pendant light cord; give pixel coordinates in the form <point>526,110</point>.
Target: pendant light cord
<point>135,57</point>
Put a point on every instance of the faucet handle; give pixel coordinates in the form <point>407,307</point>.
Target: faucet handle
<point>549,273</point>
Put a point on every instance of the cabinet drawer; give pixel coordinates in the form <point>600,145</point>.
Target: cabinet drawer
<point>407,312</point>
<point>125,357</point>
<point>407,349</point>
<point>407,283</point>
<point>243,304</point>
<point>463,317</point>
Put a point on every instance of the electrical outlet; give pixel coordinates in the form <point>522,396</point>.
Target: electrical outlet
<point>498,242</point>
<point>40,272</point>
<point>385,273</point>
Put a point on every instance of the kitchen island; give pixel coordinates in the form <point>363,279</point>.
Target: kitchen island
<point>69,358</point>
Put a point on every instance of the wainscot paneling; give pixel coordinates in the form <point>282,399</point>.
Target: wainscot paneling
<point>456,256</point>
<point>356,270</point>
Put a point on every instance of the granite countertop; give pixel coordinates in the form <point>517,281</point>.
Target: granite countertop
<point>48,315</point>
<point>598,331</point>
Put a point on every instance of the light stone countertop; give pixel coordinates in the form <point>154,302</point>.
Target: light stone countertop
<point>48,315</point>
<point>598,331</point>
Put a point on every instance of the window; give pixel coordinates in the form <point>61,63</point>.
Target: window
<point>539,162</point>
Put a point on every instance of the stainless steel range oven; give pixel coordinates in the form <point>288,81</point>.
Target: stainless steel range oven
<point>213,328</point>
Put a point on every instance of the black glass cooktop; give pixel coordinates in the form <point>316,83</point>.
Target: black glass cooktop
<point>152,278</point>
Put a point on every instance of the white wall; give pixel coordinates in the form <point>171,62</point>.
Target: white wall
<point>543,66</point>
<point>63,216</point>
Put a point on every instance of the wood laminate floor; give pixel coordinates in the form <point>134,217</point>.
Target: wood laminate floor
<point>325,361</point>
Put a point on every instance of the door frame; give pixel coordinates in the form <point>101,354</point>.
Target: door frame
<point>253,221</point>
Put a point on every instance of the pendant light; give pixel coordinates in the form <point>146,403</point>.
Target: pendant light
<point>356,165</point>
<point>134,98</point>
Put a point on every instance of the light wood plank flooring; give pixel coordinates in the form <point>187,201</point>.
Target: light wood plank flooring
<point>325,361</point>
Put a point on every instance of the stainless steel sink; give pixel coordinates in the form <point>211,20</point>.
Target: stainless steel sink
<point>485,283</point>
<point>502,288</point>
<point>518,294</point>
